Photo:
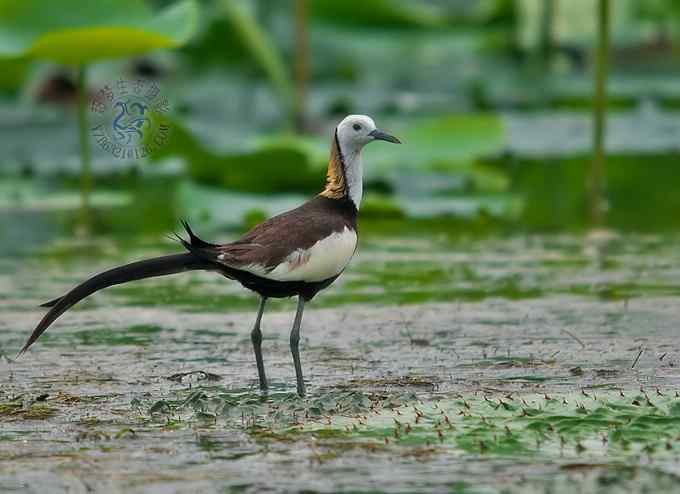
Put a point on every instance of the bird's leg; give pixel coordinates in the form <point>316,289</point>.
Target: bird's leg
<point>256,338</point>
<point>294,343</point>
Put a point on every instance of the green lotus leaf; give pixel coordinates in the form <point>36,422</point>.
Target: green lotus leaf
<point>379,13</point>
<point>439,143</point>
<point>79,32</point>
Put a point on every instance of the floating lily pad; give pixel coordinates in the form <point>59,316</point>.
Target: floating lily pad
<point>382,13</point>
<point>271,167</point>
<point>440,143</point>
<point>76,32</point>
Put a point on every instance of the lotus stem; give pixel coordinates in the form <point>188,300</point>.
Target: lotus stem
<point>85,152</point>
<point>301,64</point>
<point>599,114</point>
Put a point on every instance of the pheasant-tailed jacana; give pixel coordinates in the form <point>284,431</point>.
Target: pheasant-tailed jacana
<point>299,252</point>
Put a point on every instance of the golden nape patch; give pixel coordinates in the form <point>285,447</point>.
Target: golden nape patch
<point>336,187</point>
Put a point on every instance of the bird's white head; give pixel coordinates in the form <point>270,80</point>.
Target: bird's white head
<point>351,135</point>
<point>355,131</point>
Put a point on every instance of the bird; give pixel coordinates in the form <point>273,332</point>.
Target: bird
<point>295,254</point>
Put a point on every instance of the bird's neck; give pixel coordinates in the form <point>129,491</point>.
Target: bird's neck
<point>344,178</point>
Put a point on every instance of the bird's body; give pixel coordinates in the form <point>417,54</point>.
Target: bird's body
<point>319,241</point>
<point>297,253</point>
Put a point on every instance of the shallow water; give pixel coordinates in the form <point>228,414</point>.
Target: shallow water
<point>532,364</point>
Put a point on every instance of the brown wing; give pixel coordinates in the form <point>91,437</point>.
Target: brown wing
<point>270,242</point>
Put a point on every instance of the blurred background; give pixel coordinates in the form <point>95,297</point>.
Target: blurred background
<point>496,101</point>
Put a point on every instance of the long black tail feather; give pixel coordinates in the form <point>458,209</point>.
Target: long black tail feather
<point>159,266</point>
<point>194,243</point>
<point>51,303</point>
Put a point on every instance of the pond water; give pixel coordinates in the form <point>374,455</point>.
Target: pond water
<point>437,363</point>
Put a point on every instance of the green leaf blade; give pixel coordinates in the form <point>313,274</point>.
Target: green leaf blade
<point>76,32</point>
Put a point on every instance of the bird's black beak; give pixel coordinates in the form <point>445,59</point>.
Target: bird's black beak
<point>379,135</point>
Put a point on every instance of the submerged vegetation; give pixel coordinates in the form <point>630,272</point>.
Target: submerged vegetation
<point>559,382</point>
<point>589,423</point>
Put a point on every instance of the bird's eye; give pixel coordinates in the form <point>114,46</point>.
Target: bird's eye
<point>356,127</point>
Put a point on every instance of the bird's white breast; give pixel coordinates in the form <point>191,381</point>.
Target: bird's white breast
<point>323,260</point>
